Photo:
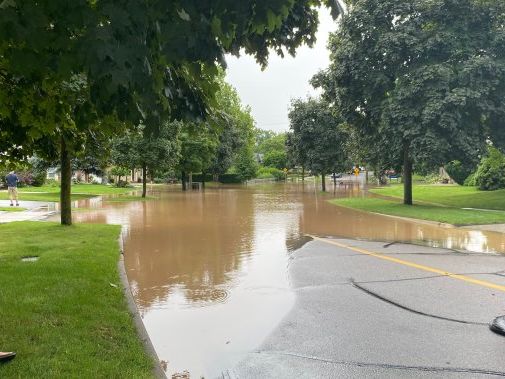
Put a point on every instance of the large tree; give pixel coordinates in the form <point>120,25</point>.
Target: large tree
<point>424,78</point>
<point>151,153</point>
<point>143,62</point>
<point>198,150</point>
<point>317,137</point>
<point>235,126</point>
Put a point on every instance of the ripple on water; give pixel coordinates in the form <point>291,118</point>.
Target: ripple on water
<point>203,297</point>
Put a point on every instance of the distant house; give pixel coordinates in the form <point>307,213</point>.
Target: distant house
<point>259,157</point>
<point>53,173</point>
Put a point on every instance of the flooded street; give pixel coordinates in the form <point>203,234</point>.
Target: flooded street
<point>208,270</point>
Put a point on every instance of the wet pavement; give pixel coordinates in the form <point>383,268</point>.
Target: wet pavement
<point>212,272</point>
<point>35,210</point>
<point>359,315</point>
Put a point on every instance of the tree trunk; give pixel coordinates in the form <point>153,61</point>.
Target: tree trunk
<point>303,174</point>
<point>323,181</point>
<point>144,180</point>
<point>183,178</point>
<point>66,182</point>
<point>215,178</point>
<point>203,180</point>
<point>105,178</point>
<point>407,176</point>
<point>366,174</point>
<point>190,181</point>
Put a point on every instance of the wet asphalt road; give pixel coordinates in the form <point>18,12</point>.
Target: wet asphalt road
<point>398,314</point>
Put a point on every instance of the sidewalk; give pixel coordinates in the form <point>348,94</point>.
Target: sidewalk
<point>35,211</point>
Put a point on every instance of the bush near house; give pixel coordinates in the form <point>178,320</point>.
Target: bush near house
<point>490,174</point>
<point>26,178</point>
<point>270,172</point>
<point>457,171</point>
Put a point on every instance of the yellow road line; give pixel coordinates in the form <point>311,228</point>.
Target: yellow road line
<point>464,278</point>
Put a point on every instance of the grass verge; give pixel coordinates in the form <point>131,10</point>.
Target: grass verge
<point>447,215</point>
<point>61,314</point>
<point>52,193</point>
<point>449,195</point>
<point>12,209</point>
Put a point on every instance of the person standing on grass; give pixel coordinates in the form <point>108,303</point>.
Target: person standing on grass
<point>12,187</point>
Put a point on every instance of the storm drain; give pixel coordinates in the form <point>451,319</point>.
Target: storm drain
<point>30,259</point>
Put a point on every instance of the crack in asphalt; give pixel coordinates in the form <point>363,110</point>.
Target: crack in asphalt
<point>389,365</point>
<point>433,254</point>
<point>390,244</point>
<point>391,302</point>
<point>426,277</point>
<point>452,251</point>
<point>352,282</point>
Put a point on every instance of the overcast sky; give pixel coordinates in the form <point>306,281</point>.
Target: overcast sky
<point>269,92</point>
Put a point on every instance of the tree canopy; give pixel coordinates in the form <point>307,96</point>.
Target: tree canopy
<point>235,127</point>
<point>318,139</point>
<point>67,65</point>
<point>426,78</point>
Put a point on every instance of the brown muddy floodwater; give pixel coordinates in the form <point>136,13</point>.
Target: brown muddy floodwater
<point>209,270</point>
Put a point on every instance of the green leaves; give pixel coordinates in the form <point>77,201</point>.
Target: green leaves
<point>318,138</point>
<point>147,62</point>
<point>424,74</point>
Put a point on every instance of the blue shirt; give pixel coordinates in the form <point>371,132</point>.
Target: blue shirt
<point>12,180</point>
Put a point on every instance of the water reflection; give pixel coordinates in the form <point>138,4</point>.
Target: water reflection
<point>209,269</point>
<point>193,244</point>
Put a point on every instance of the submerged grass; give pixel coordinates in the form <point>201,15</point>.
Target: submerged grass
<point>60,313</point>
<point>42,196</point>
<point>455,216</point>
<point>91,189</point>
<point>12,209</point>
<point>128,198</point>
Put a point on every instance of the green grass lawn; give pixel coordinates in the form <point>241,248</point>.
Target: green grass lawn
<point>52,193</point>
<point>61,314</point>
<point>12,209</point>
<point>455,216</point>
<point>449,195</point>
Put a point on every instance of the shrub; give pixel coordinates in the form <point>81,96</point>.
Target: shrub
<point>271,173</point>
<point>457,171</point>
<point>433,178</point>
<point>471,181</point>
<point>25,178</point>
<point>230,179</point>
<point>277,159</point>
<point>39,178</point>
<point>122,184</point>
<point>119,171</point>
<point>490,174</point>
<point>199,178</point>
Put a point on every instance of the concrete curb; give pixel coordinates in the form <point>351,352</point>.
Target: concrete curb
<point>137,318</point>
<point>498,325</point>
